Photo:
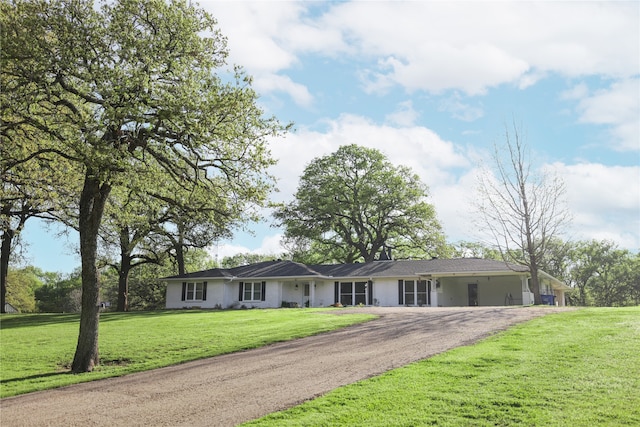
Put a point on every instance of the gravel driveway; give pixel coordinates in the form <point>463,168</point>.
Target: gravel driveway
<point>230,389</point>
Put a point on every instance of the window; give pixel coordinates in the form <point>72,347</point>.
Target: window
<point>354,293</point>
<point>360,294</point>
<point>409,292</point>
<point>252,291</point>
<point>346,293</point>
<point>422,295</point>
<point>194,291</point>
<point>414,292</point>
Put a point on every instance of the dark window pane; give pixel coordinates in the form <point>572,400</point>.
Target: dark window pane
<point>422,286</point>
<point>345,287</point>
<point>408,299</point>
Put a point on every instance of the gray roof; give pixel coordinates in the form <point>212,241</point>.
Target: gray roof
<point>400,268</point>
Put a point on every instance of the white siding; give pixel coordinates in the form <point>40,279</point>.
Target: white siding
<point>174,295</point>
<point>385,291</point>
<point>492,291</point>
<point>453,291</point>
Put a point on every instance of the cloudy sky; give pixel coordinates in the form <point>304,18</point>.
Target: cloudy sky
<point>432,85</point>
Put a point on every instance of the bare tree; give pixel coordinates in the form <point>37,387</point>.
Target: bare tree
<point>523,209</point>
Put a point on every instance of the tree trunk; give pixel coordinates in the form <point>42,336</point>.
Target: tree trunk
<point>92,201</point>
<point>535,284</point>
<point>5,252</point>
<point>179,246</point>
<point>123,272</point>
<point>583,295</point>
<point>180,259</point>
<point>123,285</point>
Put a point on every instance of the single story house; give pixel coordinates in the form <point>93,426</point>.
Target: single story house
<point>432,283</point>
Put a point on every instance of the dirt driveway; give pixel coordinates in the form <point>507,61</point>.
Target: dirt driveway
<point>230,389</point>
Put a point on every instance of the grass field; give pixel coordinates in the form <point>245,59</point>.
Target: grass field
<point>579,368</point>
<point>36,350</point>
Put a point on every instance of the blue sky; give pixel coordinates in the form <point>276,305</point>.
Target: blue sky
<point>432,85</point>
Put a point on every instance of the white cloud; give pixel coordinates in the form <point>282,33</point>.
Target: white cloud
<point>433,46</point>
<point>604,200</point>
<point>578,91</point>
<point>458,109</point>
<point>252,30</point>
<point>454,206</point>
<point>419,71</point>
<point>405,115</point>
<point>267,83</point>
<point>619,107</point>
<point>417,147</point>
<point>473,46</point>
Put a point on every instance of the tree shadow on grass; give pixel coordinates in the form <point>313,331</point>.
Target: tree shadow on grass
<point>39,319</point>
<point>7,381</point>
<point>29,320</point>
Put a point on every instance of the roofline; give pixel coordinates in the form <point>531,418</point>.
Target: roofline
<point>367,277</point>
<point>238,278</point>
<point>554,281</point>
<point>472,273</point>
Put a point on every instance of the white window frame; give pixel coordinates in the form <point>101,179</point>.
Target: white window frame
<point>193,289</point>
<point>410,289</point>
<point>353,294</point>
<point>254,289</point>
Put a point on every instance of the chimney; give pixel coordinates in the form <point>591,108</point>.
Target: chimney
<point>385,254</point>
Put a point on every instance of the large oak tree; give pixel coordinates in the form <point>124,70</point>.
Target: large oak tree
<point>130,91</point>
<point>353,204</point>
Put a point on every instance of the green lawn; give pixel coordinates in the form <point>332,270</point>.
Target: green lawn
<point>36,350</point>
<point>579,368</point>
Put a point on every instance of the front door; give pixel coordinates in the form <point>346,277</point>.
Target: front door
<point>473,294</point>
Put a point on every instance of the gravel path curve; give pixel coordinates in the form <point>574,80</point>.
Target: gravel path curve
<point>230,389</point>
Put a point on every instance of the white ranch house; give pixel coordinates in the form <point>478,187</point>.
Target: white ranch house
<point>429,283</point>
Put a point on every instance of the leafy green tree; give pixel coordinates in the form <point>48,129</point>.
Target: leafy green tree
<point>352,204</point>
<point>60,293</point>
<point>25,190</point>
<point>147,291</point>
<point>129,220</point>
<point>633,279</point>
<point>609,285</point>
<point>129,93</point>
<point>21,286</point>
<point>558,259</point>
<point>522,210</point>
<point>245,258</point>
<point>464,249</point>
<point>192,226</point>
<point>604,274</point>
<point>586,259</point>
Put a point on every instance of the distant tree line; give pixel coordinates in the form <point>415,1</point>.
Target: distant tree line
<point>31,290</point>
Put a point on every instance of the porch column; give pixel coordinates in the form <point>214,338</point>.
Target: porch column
<point>560,298</point>
<point>434,293</point>
<point>312,293</point>
<point>527,297</point>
